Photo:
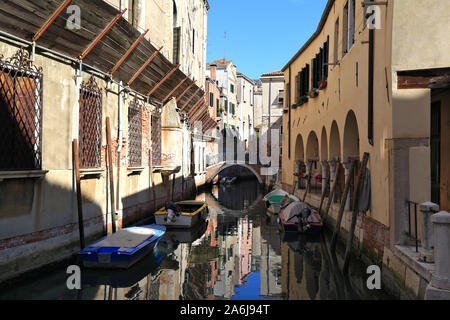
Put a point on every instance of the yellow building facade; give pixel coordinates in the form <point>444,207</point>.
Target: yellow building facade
<point>360,64</point>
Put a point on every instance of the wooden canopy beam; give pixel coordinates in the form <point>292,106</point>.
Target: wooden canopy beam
<point>50,20</point>
<point>190,99</point>
<point>208,124</point>
<point>194,114</point>
<point>212,125</point>
<point>186,91</point>
<point>204,117</point>
<point>138,73</point>
<point>176,88</point>
<point>199,112</point>
<point>100,36</point>
<point>135,44</point>
<point>196,106</point>
<point>164,80</point>
<point>197,103</point>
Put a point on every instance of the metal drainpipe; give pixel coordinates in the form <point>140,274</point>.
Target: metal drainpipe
<point>119,146</point>
<point>269,132</point>
<point>371,85</point>
<point>288,100</point>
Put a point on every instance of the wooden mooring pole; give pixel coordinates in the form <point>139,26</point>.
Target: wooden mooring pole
<point>342,207</point>
<point>324,192</point>
<point>332,192</point>
<point>360,181</point>
<point>76,163</point>
<point>308,184</point>
<point>111,175</point>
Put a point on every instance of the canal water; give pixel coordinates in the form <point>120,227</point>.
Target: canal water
<point>237,254</point>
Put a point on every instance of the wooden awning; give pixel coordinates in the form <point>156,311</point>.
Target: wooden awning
<point>26,18</point>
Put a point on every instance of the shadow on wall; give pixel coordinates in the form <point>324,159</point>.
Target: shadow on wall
<point>140,205</point>
<point>39,224</point>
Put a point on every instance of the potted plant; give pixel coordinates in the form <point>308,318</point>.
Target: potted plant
<point>313,93</point>
<point>305,99</point>
<point>323,83</point>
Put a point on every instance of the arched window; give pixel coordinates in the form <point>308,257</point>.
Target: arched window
<point>176,35</point>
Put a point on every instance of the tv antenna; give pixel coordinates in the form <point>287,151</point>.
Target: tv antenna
<point>225,45</point>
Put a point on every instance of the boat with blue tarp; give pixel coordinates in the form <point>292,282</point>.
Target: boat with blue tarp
<point>124,248</point>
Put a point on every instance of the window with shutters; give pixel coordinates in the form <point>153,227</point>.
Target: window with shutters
<point>326,57</point>
<point>336,41</point>
<point>90,125</point>
<point>20,114</point>
<point>193,41</point>
<point>135,134</point>
<point>351,24</point>
<point>232,88</point>
<point>345,31</point>
<point>348,35</point>
<point>304,81</point>
<point>211,99</point>
<point>176,45</point>
<point>218,111</point>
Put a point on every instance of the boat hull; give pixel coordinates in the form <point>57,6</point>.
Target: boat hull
<point>185,220</point>
<point>119,257</point>
<point>290,227</point>
<point>274,199</point>
<point>181,222</point>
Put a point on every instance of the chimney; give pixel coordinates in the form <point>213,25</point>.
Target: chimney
<point>213,73</point>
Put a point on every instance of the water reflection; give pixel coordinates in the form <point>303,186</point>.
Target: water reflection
<point>237,254</point>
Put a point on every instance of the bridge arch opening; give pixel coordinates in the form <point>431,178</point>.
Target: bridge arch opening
<point>217,170</point>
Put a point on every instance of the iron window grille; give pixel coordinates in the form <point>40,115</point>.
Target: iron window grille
<point>90,125</point>
<point>135,134</point>
<point>156,138</point>
<point>21,88</point>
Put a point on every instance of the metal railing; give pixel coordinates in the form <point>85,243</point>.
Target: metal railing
<point>416,236</point>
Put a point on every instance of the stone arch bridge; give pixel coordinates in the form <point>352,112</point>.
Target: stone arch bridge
<point>214,170</point>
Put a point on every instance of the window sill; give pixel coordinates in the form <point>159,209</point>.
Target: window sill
<point>135,171</point>
<point>91,173</point>
<point>32,174</point>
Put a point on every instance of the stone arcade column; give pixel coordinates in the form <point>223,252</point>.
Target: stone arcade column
<point>439,288</point>
<point>426,250</point>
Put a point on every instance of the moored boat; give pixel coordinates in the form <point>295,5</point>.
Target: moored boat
<point>299,217</point>
<point>275,199</point>
<point>122,249</point>
<point>229,180</point>
<point>189,214</point>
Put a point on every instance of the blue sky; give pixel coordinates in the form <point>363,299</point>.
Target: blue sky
<point>262,35</point>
